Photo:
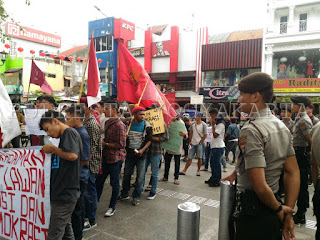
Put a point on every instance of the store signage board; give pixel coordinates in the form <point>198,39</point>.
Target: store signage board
<point>220,93</point>
<point>296,85</point>
<point>198,99</point>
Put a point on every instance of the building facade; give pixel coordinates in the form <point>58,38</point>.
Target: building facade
<point>291,53</point>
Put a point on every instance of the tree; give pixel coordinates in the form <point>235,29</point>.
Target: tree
<point>4,17</point>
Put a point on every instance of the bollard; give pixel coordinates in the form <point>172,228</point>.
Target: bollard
<point>188,221</point>
<point>227,199</point>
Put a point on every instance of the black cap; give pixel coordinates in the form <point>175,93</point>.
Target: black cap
<point>301,100</point>
<point>256,82</point>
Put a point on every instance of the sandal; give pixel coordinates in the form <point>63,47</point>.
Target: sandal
<point>176,182</point>
<point>204,169</point>
<point>163,179</point>
<point>198,174</point>
<point>148,189</point>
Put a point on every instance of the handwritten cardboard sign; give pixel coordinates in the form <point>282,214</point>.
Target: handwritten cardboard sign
<point>155,118</point>
<point>24,193</point>
<point>175,140</point>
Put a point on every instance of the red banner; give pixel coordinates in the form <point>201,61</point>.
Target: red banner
<point>297,85</point>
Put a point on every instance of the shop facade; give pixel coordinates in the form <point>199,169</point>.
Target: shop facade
<point>225,64</point>
<point>292,48</point>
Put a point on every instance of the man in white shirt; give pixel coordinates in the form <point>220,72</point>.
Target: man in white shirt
<point>217,148</point>
<point>198,133</point>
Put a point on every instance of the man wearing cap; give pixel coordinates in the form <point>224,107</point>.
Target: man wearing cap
<point>265,149</point>
<point>309,110</point>
<point>198,133</point>
<point>138,141</point>
<point>286,115</point>
<point>302,143</point>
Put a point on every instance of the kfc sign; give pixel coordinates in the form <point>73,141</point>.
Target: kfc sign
<point>123,29</point>
<point>128,27</point>
<point>33,35</point>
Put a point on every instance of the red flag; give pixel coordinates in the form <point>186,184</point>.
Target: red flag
<point>93,90</point>
<point>132,80</point>
<point>37,77</point>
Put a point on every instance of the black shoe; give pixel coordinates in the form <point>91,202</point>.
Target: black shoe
<point>207,181</point>
<point>299,218</point>
<point>211,184</point>
<point>120,198</point>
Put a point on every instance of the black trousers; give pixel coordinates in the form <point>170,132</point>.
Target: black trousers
<point>316,209</point>
<point>304,162</point>
<point>78,214</point>
<point>167,158</point>
<point>263,226</point>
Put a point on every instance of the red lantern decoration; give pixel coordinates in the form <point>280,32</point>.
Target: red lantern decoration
<point>79,59</point>
<point>70,58</point>
<point>20,49</point>
<point>62,57</point>
<point>43,54</point>
<point>99,60</point>
<point>7,46</point>
<point>52,55</point>
<point>32,52</point>
<point>85,60</point>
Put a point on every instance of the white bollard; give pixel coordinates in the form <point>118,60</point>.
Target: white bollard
<point>188,221</point>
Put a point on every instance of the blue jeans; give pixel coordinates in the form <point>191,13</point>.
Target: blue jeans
<point>215,163</point>
<point>224,159</point>
<point>154,161</point>
<point>130,163</point>
<point>91,199</point>
<point>112,169</point>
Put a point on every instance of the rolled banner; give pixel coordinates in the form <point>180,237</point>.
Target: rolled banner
<point>227,198</point>
<point>188,221</point>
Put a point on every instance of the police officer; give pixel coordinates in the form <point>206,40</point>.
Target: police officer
<point>265,148</point>
<point>315,162</point>
<point>302,143</point>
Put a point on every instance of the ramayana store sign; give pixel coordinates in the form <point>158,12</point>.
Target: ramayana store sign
<point>33,35</point>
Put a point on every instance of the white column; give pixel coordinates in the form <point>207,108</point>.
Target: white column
<point>291,15</point>
<point>269,57</point>
<point>271,20</point>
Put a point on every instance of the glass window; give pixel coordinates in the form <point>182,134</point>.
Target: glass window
<point>303,22</point>
<point>103,43</point>
<point>283,24</point>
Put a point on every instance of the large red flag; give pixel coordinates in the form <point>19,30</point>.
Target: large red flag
<point>93,90</point>
<point>133,79</point>
<point>37,77</point>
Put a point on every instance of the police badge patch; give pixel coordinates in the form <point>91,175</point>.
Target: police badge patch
<point>243,148</point>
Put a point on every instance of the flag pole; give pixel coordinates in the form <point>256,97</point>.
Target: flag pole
<point>29,84</point>
<point>144,89</point>
<point>85,69</point>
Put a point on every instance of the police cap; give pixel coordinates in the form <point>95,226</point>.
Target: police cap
<point>256,82</point>
<point>301,100</point>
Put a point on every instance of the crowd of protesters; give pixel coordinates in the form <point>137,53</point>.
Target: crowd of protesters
<point>95,142</point>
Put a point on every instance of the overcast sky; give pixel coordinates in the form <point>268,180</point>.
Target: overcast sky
<point>69,18</point>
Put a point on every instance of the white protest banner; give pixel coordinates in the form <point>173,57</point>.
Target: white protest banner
<point>155,118</point>
<point>32,118</point>
<point>24,193</point>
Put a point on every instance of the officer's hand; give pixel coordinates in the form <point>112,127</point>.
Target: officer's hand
<point>230,178</point>
<point>288,228</point>
<point>285,211</point>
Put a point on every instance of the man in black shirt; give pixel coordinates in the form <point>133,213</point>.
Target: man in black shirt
<point>65,173</point>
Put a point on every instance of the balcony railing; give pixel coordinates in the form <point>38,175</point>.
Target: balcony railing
<point>283,27</point>
<point>303,26</point>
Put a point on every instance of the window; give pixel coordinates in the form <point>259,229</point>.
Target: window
<point>303,22</point>
<point>50,75</point>
<point>67,83</point>
<point>283,24</point>
<point>102,75</point>
<point>103,43</point>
